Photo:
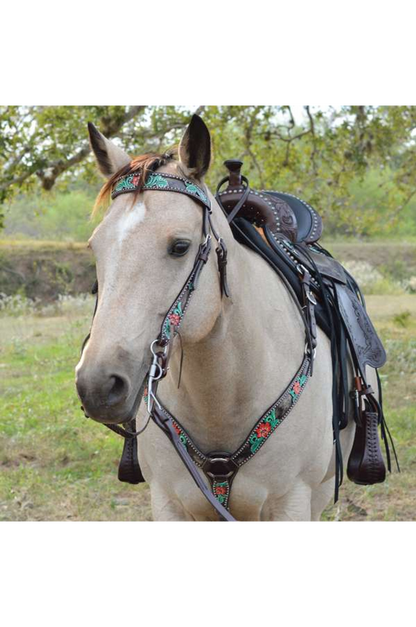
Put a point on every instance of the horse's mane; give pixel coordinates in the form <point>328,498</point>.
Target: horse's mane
<point>143,165</point>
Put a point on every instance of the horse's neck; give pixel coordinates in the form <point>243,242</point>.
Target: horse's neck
<point>232,376</point>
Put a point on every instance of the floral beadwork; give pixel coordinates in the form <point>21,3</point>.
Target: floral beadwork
<point>173,319</point>
<point>194,189</point>
<point>297,387</point>
<point>146,395</point>
<point>221,490</point>
<point>180,433</point>
<point>125,183</point>
<point>155,180</point>
<point>263,430</point>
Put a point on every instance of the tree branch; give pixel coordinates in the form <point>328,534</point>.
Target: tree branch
<point>109,127</point>
<point>312,130</point>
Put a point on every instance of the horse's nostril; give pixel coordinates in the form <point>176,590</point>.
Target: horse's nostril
<point>118,389</point>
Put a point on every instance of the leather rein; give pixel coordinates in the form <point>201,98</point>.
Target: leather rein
<point>220,468</point>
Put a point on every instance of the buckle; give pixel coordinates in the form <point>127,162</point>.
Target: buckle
<point>308,352</point>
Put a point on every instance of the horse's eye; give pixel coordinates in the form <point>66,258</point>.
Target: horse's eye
<point>179,248</point>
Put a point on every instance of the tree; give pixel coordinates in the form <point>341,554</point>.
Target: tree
<point>313,152</point>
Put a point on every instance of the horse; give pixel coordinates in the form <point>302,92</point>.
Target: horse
<point>239,353</point>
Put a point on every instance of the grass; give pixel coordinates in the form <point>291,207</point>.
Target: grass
<point>395,498</point>
<point>40,245</point>
<point>56,465</point>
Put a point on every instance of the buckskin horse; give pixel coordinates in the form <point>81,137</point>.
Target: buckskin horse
<point>197,358</point>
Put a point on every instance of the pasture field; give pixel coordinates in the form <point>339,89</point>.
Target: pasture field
<point>57,465</point>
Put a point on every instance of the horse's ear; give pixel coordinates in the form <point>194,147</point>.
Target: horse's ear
<point>110,159</point>
<point>195,148</point>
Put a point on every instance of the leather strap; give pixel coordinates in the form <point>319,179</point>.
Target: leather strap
<point>161,181</point>
<point>165,423</point>
<point>221,467</point>
<point>129,469</point>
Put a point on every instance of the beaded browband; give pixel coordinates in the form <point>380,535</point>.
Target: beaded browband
<point>162,182</point>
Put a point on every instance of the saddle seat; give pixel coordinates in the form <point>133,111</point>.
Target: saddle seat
<point>283,213</point>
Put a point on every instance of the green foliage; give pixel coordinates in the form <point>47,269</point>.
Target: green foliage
<point>403,319</point>
<point>62,216</point>
<point>357,164</point>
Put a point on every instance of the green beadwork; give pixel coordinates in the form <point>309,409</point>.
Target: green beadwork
<point>301,380</point>
<point>156,180</point>
<point>272,419</point>
<point>193,189</point>
<point>178,309</point>
<point>125,183</point>
<point>255,442</point>
<point>181,435</point>
<point>166,329</point>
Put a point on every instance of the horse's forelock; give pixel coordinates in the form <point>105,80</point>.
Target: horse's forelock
<point>142,165</point>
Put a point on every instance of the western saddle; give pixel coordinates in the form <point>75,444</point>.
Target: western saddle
<point>285,231</point>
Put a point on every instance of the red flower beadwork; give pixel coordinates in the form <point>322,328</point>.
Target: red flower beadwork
<point>263,430</point>
<point>135,180</point>
<point>174,319</point>
<point>177,429</point>
<point>220,490</point>
<point>296,387</point>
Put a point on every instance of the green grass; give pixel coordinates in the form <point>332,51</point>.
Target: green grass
<point>56,465</point>
<point>40,245</point>
<point>395,498</point>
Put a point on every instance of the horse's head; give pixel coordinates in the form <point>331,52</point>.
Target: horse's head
<point>145,248</point>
